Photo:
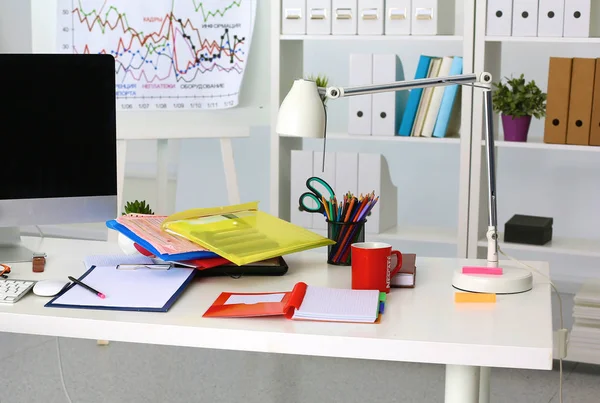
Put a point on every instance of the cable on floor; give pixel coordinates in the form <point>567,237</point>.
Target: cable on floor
<point>560,306</point>
<point>60,371</point>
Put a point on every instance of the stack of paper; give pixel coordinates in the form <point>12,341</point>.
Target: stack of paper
<point>585,336</point>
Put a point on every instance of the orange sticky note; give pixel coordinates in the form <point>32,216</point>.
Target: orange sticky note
<point>461,297</point>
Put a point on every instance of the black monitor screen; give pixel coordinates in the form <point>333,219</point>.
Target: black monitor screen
<point>58,126</point>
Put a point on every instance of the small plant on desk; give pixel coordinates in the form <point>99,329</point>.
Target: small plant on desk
<point>322,81</point>
<point>518,101</point>
<point>138,207</point>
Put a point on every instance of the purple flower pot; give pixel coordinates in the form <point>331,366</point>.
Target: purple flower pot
<point>516,129</point>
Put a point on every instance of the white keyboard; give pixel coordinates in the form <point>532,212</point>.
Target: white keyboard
<point>12,290</point>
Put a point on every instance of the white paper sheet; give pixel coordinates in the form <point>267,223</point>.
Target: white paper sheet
<point>141,288</point>
<point>115,260</point>
<point>332,304</point>
<point>254,299</point>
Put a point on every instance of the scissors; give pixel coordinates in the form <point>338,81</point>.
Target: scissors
<point>316,196</point>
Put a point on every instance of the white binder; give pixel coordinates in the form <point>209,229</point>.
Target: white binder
<point>370,17</point>
<point>301,169</point>
<point>433,17</point>
<point>373,175</point>
<point>344,17</point>
<point>577,18</point>
<point>499,17</point>
<point>385,113</point>
<point>346,174</point>
<point>320,221</point>
<point>318,17</point>
<point>397,17</point>
<point>293,17</point>
<point>551,18</point>
<point>525,18</point>
<point>359,107</point>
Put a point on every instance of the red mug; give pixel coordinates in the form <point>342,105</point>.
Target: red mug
<point>372,266</point>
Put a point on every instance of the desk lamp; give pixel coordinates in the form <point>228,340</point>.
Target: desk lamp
<point>302,114</point>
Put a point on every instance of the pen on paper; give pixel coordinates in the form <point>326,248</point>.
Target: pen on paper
<point>87,287</point>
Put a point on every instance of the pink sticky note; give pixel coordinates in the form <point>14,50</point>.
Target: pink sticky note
<point>482,270</point>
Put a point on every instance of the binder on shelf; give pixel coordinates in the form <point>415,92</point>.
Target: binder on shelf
<point>346,173</point>
<point>557,103</point>
<point>318,220</point>
<point>551,18</point>
<point>398,15</point>
<point>414,98</point>
<point>373,175</point>
<point>344,17</point>
<point>577,18</point>
<point>293,17</point>
<point>318,17</point>
<point>525,17</point>
<point>582,97</point>
<point>386,106</point>
<point>436,99</point>
<point>426,98</point>
<point>448,120</point>
<point>301,169</point>
<point>433,17</point>
<point>370,17</point>
<point>499,17</point>
<point>359,107</point>
<point>595,130</point>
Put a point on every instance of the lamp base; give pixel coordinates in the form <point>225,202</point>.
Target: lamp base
<point>513,280</point>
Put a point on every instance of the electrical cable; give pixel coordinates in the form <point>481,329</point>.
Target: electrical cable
<point>560,306</point>
<point>60,371</point>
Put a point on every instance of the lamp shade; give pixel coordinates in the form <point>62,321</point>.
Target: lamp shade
<point>302,113</point>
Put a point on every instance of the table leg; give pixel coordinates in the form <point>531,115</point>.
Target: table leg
<point>462,384</point>
<point>484,384</point>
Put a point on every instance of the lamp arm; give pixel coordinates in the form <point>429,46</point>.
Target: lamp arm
<point>484,80</point>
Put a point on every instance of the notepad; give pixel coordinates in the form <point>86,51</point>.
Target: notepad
<point>304,302</point>
<point>126,290</point>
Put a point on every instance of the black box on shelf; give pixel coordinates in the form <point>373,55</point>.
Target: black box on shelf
<point>528,229</point>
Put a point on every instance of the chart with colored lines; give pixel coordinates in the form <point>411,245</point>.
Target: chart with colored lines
<point>169,54</point>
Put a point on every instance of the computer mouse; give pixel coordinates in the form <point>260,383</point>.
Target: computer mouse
<point>49,288</point>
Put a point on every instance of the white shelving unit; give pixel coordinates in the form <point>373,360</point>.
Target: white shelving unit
<point>287,62</point>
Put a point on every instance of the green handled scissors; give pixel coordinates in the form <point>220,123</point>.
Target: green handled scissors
<point>316,196</point>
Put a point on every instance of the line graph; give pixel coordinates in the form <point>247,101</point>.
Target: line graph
<point>169,54</point>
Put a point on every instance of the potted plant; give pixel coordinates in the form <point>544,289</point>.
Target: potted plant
<point>518,101</point>
<point>135,207</point>
<point>321,81</point>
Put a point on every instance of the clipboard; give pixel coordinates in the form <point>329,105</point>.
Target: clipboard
<point>142,290</point>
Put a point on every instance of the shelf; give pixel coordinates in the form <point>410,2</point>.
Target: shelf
<point>350,137</point>
<point>537,39</point>
<point>538,143</point>
<point>407,38</point>
<point>558,245</point>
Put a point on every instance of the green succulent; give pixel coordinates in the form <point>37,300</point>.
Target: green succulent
<point>518,98</point>
<point>138,207</point>
<point>322,81</point>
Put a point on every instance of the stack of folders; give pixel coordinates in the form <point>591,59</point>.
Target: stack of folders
<point>584,340</point>
<point>430,112</point>
<point>434,111</point>
<point>573,104</point>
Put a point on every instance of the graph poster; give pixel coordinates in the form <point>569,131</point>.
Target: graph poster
<point>170,54</point>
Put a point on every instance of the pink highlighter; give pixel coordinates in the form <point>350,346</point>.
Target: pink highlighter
<point>482,270</point>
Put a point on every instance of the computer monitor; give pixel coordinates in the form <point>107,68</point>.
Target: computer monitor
<point>58,143</point>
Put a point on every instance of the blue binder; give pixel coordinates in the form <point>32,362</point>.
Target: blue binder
<point>445,113</point>
<point>412,106</point>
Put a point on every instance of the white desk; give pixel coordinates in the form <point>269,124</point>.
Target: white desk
<point>419,325</point>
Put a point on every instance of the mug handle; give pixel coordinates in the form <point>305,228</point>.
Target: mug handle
<point>398,263</point>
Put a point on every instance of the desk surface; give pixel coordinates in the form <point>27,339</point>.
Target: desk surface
<point>419,325</point>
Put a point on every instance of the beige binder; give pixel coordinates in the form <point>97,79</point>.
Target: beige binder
<point>580,104</point>
<point>557,104</point>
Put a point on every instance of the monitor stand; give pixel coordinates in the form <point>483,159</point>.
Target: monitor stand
<point>12,249</point>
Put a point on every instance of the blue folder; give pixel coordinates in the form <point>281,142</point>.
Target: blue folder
<point>447,105</point>
<point>414,99</point>
<point>176,257</point>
